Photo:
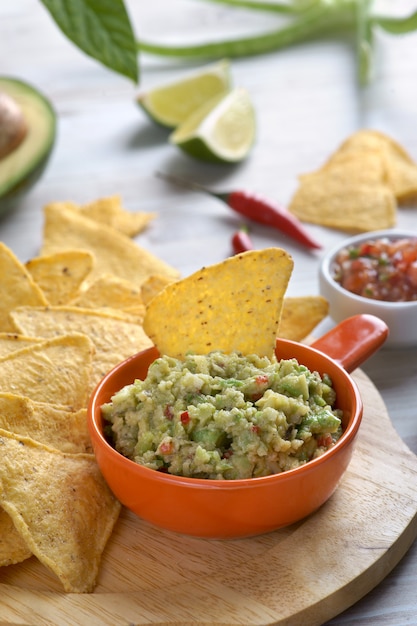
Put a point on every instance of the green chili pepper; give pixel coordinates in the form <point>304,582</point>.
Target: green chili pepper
<point>308,19</point>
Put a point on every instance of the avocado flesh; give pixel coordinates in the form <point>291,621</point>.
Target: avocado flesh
<point>23,166</point>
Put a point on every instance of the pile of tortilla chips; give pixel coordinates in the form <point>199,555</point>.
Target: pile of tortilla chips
<point>66,317</point>
<point>92,298</point>
<point>360,187</point>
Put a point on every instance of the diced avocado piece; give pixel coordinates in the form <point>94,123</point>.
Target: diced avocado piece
<point>295,385</point>
<point>242,466</point>
<point>323,421</point>
<point>210,438</point>
<point>21,167</point>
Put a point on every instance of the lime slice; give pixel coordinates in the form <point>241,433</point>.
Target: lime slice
<point>220,131</point>
<point>171,104</point>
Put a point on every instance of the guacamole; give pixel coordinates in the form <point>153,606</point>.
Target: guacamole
<point>224,416</point>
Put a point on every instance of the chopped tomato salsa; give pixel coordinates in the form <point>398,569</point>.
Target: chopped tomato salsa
<point>380,269</point>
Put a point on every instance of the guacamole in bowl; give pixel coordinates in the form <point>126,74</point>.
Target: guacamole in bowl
<point>224,416</point>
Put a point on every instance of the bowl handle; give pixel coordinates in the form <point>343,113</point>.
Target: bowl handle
<point>352,341</point>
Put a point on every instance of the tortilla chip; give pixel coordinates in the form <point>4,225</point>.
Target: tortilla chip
<point>153,285</point>
<point>358,188</point>
<point>352,208</point>
<point>231,306</point>
<point>402,179</point>
<point>109,211</point>
<point>49,424</point>
<point>60,275</point>
<point>400,170</point>
<point>112,292</point>
<point>10,342</point>
<point>16,287</point>
<point>136,312</point>
<point>114,337</point>
<point>114,253</point>
<point>351,169</point>
<point>367,140</point>
<point>12,547</point>
<point>61,507</point>
<point>54,370</point>
<point>300,315</point>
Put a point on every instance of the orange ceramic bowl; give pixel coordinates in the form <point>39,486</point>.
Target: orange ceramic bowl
<point>243,507</point>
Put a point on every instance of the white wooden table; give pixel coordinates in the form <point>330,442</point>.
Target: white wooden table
<point>307,101</point>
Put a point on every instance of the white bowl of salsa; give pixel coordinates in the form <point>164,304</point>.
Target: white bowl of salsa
<point>376,273</point>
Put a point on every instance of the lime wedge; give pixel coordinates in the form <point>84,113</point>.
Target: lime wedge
<point>171,104</point>
<point>220,131</point>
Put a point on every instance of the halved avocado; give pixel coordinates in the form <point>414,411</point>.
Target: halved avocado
<point>22,165</point>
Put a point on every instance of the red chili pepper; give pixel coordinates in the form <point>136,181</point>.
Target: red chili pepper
<point>259,210</point>
<point>325,440</point>
<point>265,212</point>
<point>185,417</point>
<point>241,242</point>
<point>166,447</point>
<point>169,412</point>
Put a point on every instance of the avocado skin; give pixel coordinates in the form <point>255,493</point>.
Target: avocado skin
<point>33,169</point>
<point>8,200</point>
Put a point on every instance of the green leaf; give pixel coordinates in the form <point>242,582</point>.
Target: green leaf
<point>101,29</point>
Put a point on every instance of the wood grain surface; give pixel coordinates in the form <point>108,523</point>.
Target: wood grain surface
<point>303,574</point>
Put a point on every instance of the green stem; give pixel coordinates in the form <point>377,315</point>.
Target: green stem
<point>320,19</point>
<point>364,36</point>
<point>396,26</point>
<point>273,7</point>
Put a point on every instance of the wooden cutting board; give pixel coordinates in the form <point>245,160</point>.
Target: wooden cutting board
<point>304,574</point>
